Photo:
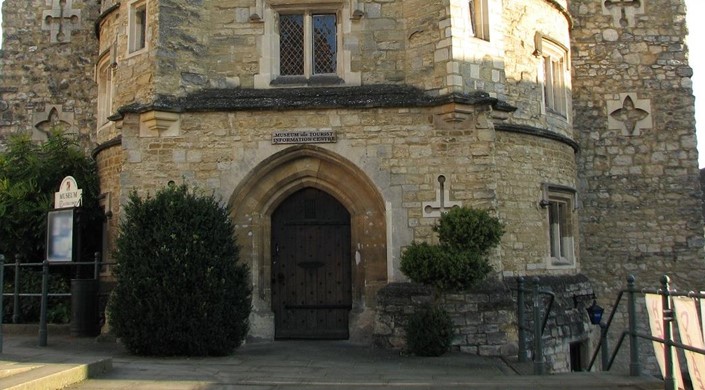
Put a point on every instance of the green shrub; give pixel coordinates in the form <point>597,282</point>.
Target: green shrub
<point>429,331</point>
<point>470,230</point>
<point>180,289</point>
<point>30,174</point>
<point>460,259</point>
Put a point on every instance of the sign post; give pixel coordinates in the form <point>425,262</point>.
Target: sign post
<point>63,241</point>
<point>62,230</point>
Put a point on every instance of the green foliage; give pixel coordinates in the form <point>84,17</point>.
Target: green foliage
<point>429,331</point>
<point>460,259</point>
<point>443,267</point>
<point>58,308</point>
<point>470,230</point>
<point>180,289</point>
<point>30,173</point>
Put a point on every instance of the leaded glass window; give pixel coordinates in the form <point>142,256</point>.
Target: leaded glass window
<point>324,44</point>
<point>308,44</point>
<point>291,46</point>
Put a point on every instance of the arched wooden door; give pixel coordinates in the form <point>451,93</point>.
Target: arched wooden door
<point>311,267</point>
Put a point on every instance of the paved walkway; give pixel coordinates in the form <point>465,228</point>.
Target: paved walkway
<point>280,365</point>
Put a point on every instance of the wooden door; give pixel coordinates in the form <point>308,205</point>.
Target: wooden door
<point>311,267</point>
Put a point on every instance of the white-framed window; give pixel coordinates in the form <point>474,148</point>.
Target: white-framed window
<point>559,203</point>
<point>137,27</point>
<point>104,79</point>
<point>480,19</point>
<point>555,75</point>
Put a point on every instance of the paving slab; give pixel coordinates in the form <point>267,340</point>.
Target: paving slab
<point>26,366</point>
<point>281,365</point>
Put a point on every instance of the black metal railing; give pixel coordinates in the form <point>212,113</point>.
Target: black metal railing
<point>667,340</point>
<point>538,331</point>
<point>44,294</point>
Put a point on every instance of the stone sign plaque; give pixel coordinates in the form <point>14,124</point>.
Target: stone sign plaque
<point>304,137</point>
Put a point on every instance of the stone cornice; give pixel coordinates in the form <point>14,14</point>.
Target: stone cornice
<point>555,4</point>
<point>537,132</point>
<point>106,145</point>
<point>102,16</point>
<point>371,96</point>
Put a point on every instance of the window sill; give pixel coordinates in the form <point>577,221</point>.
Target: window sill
<point>136,53</point>
<point>561,262</point>
<point>556,113</point>
<point>302,81</point>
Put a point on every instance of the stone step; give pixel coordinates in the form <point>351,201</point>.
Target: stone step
<point>42,376</point>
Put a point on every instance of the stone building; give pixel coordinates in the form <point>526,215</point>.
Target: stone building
<point>338,131</point>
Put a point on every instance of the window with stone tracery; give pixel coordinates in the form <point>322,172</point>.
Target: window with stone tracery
<point>480,19</point>
<point>554,71</point>
<point>303,45</point>
<point>137,30</point>
<point>104,79</point>
<point>559,203</point>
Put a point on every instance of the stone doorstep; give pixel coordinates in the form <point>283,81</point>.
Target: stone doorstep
<point>33,376</point>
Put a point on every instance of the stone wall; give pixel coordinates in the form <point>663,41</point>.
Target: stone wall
<point>525,247</point>
<point>638,163</point>
<point>485,318</point>
<point>47,74</point>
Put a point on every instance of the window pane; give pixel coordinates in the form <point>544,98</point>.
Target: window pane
<point>554,229</point>
<point>548,81</point>
<point>140,27</point>
<point>291,45</point>
<point>324,44</point>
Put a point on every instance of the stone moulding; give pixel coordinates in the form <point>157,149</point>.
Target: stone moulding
<point>557,5</point>
<point>102,17</point>
<point>371,96</point>
<point>538,132</point>
<point>106,145</point>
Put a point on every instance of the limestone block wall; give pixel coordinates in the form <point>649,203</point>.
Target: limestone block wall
<point>638,162</point>
<point>519,81</point>
<point>403,151</point>
<point>134,76</point>
<point>485,318</point>
<point>426,25</point>
<point>47,68</point>
<point>524,164</point>
<point>109,160</point>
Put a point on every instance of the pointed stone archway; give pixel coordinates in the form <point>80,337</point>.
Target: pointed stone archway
<point>274,180</point>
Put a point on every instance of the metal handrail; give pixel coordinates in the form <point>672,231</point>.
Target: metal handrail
<point>605,329</point>
<point>667,340</point>
<point>97,263</point>
<point>548,309</point>
<point>521,319</point>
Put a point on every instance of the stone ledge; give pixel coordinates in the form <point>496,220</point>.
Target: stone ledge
<point>370,96</point>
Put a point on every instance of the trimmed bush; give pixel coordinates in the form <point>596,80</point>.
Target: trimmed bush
<point>180,289</point>
<point>460,259</point>
<point>469,230</point>
<point>429,331</point>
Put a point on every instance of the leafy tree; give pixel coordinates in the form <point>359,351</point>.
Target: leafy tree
<point>180,289</point>
<point>30,174</point>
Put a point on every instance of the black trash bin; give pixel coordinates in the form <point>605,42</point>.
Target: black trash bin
<point>84,307</point>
